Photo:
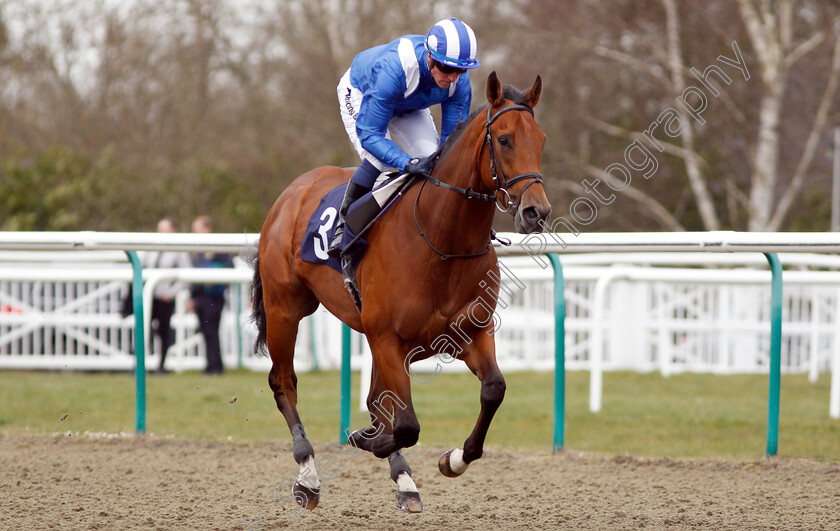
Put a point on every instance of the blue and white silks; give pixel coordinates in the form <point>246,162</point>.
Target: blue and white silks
<point>395,80</point>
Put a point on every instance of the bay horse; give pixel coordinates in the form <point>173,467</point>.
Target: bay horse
<point>428,260</point>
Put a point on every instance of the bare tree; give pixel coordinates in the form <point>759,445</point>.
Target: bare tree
<point>771,30</point>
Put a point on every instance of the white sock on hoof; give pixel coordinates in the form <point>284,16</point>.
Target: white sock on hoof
<point>308,476</point>
<point>405,483</point>
<point>456,461</point>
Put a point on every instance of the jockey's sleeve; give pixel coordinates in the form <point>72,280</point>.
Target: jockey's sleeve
<point>456,108</point>
<point>375,114</point>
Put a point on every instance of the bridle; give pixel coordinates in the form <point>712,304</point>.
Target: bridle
<point>499,179</point>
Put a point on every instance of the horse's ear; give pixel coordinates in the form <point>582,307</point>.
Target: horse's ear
<point>533,95</point>
<point>494,90</point>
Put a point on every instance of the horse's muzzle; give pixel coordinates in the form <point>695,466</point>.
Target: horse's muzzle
<point>527,220</point>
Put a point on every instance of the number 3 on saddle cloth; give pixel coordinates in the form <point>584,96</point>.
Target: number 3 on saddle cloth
<point>360,217</point>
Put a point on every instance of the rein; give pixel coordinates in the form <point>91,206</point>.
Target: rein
<point>444,256</point>
<point>499,179</point>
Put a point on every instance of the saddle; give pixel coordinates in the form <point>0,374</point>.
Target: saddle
<point>361,216</point>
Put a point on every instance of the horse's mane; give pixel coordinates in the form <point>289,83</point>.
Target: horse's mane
<point>509,92</point>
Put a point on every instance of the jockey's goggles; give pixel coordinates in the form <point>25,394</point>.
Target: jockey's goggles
<point>446,69</point>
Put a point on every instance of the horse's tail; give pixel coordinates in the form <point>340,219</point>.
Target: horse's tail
<point>258,308</point>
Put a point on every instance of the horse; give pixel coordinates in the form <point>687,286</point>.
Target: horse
<point>429,259</point>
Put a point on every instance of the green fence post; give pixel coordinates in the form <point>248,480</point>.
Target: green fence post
<point>775,354</point>
<point>559,353</point>
<point>344,414</point>
<point>139,344</point>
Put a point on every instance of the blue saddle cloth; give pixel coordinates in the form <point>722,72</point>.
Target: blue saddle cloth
<point>321,225</point>
<point>320,229</point>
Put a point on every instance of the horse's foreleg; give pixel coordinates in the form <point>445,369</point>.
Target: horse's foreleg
<point>390,397</point>
<point>408,498</point>
<point>381,407</point>
<point>482,362</point>
<point>381,421</point>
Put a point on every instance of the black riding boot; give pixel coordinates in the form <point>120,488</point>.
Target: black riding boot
<point>354,191</point>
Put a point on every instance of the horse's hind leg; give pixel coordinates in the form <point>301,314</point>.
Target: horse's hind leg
<point>481,360</point>
<point>281,332</point>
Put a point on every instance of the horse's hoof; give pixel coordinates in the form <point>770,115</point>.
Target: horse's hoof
<point>306,497</point>
<point>449,468</point>
<point>409,502</point>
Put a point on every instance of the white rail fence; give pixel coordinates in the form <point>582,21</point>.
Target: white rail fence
<point>649,318</point>
<point>59,316</point>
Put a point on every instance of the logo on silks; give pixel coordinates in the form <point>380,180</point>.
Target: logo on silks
<point>348,103</point>
<point>321,226</point>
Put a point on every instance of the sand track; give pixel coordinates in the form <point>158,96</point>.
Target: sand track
<point>151,483</point>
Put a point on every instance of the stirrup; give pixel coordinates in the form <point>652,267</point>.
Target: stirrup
<point>350,283</point>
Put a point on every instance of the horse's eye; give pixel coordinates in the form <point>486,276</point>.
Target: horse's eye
<point>505,141</point>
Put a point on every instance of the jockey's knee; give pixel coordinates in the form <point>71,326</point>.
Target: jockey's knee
<point>366,174</point>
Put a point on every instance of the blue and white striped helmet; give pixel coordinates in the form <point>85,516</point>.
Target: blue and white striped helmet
<point>452,43</point>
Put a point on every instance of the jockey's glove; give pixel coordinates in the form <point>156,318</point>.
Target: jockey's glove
<point>421,166</point>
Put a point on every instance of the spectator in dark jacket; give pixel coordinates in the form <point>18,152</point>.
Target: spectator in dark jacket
<point>208,300</point>
<point>163,304</point>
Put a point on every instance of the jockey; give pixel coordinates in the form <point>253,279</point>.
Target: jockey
<point>385,96</point>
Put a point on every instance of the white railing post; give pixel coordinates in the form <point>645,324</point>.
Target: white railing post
<point>596,351</point>
<point>180,347</point>
<point>664,342</point>
<point>813,361</point>
<point>834,401</point>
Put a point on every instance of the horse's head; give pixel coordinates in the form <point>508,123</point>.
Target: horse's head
<point>511,164</point>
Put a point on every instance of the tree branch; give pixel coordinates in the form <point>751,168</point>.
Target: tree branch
<point>623,58</point>
<point>654,207</point>
<point>696,179</point>
<point>620,132</point>
<point>672,149</point>
<point>786,23</point>
<point>755,28</point>
<point>803,49</point>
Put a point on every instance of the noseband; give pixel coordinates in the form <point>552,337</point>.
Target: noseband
<point>499,179</point>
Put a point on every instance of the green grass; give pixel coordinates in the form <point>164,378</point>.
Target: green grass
<point>688,415</point>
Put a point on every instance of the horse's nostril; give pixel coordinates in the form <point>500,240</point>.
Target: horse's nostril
<point>530,215</point>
